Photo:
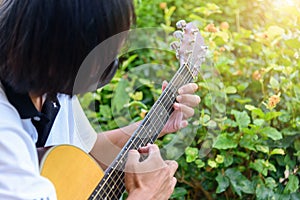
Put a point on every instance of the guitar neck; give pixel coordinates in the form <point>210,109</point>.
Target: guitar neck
<point>112,184</point>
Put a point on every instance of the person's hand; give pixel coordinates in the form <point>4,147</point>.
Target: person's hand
<point>183,108</point>
<point>150,179</point>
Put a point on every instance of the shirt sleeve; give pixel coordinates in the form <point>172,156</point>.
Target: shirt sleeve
<point>85,131</point>
<point>19,168</point>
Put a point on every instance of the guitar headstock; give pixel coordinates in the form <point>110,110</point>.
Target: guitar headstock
<point>190,49</point>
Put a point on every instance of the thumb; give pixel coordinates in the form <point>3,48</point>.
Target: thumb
<point>132,160</point>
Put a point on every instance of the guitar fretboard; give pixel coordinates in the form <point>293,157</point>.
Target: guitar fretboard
<point>112,185</point>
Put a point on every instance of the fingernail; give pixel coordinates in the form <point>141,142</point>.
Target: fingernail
<point>180,91</point>
<point>179,98</point>
<point>183,124</point>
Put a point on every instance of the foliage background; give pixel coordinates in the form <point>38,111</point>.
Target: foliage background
<point>244,141</point>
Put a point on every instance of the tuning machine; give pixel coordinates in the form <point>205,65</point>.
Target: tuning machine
<point>175,45</point>
<point>181,24</point>
<point>178,35</point>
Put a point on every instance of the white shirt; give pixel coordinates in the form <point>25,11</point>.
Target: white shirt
<point>19,168</point>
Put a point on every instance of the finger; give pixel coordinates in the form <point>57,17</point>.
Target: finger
<point>164,85</point>
<point>174,182</point>
<point>188,99</point>
<point>189,88</point>
<point>173,165</point>
<point>154,159</point>
<point>144,150</point>
<point>153,149</point>
<point>186,110</point>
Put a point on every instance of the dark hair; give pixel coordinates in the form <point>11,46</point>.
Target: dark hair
<point>44,42</point>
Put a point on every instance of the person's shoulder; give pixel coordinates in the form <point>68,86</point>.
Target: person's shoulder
<point>8,112</point>
<point>63,98</point>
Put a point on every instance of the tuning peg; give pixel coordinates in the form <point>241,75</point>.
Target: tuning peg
<point>175,45</point>
<point>181,24</point>
<point>178,34</point>
<point>192,41</point>
<point>195,31</point>
<point>188,52</point>
<point>201,58</point>
<point>204,47</point>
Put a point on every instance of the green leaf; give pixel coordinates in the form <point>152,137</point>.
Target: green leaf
<point>223,183</point>
<point>225,142</point>
<point>250,107</point>
<point>264,149</point>
<point>120,97</point>
<point>212,164</point>
<point>293,43</point>
<point>263,193</point>
<point>249,141</point>
<point>138,96</point>
<point>274,31</point>
<point>274,83</point>
<point>179,192</point>
<point>105,111</point>
<point>230,90</point>
<point>239,182</point>
<point>199,163</point>
<point>228,160</point>
<point>191,154</point>
<point>271,115</point>
<point>277,152</point>
<point>258,122</point>
<point>127,62</point>
<point>270,183</point>
<point>220,159</point>
<point>271,133</point>
<point>292,185</point>
<point>242,118</point>
<point>262,166</point>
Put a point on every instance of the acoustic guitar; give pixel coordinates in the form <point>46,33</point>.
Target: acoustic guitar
<point>76,176</point>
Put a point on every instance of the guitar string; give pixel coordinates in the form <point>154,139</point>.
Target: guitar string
<point>169,98</point>
<point>134,137</point>
<point>120,183</point>
<point>118,178</point>
<point>117,184</point>
<point>186,66</point>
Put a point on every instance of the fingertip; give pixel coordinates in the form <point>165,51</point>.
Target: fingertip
<point>152,147</point>
<point>198,99</point>
<point>174,181</point>
<point>176,106</point>
<point>196,87</point>
<point>180,91</point>
<point>184,124</point>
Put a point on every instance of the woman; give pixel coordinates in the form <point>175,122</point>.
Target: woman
<point>42,46</point>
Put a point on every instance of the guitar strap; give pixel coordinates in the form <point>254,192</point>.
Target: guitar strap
<point>42,121</point>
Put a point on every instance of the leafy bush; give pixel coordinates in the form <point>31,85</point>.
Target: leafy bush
<point>244,141</point>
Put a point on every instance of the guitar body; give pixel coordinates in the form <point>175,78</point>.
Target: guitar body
<point>74,173</point>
